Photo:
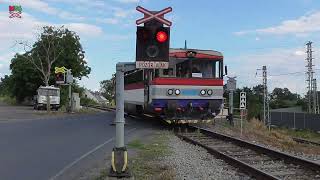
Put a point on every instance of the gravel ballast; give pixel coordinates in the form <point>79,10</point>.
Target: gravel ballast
<point>193,162</point>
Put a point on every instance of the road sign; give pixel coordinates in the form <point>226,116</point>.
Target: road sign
<point>69,78</point>
<point>60,75</point>
<point>149,15</point>
<point>231,84</point>
<point>243,100</point>
<point>60,70</point>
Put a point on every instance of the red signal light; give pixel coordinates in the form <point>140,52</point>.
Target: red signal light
<point>162,36</point>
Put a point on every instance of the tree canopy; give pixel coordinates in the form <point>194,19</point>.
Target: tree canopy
<point>55,47</point>
<point>107,88</point>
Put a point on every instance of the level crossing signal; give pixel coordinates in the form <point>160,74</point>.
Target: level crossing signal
<point>153,39</point>
<point>153,43</point>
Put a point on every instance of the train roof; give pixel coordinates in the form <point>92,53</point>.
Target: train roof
<point>195,53</point>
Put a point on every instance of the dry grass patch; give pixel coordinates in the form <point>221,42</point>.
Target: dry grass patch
<point>256,131</point>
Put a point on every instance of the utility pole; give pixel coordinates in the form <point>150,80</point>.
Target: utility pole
<point>309,76</point>
<point>69,81</point>
<point>266,110</point>
<point>315,96</point>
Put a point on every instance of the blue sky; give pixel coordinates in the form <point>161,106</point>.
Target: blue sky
<point>249,33</point>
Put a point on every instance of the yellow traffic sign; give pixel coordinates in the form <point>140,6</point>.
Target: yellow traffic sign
<point>60,70</point>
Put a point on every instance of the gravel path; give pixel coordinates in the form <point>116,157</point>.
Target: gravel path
<point>193,162</point>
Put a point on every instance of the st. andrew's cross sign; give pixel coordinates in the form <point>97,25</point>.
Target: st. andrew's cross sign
<point>149,15</point>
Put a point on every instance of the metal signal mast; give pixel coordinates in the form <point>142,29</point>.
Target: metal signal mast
<point>312,82</point>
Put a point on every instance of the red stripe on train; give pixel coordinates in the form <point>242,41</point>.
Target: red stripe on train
<point>139,85</point>
<point>187,81</point>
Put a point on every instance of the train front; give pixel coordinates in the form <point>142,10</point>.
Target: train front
<point>191,89</point>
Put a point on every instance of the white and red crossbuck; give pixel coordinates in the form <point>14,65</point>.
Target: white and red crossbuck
<point>149,15</point>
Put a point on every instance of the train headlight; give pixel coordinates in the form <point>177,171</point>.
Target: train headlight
<point>177,91</point>
<point>203,92</point>
<point>170,91</point>
<point>210,92</point>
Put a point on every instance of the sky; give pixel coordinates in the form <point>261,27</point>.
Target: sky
<point>249,33</point>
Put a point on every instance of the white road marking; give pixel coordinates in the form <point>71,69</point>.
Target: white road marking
<point>84,156</point>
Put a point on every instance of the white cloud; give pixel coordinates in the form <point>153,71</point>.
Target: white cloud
<point>13,30</point>
<point>109,20</point>
<point>122,13</point>
<point>300,53</point>
<point>83,29</point>
<point>128,1</point>
<point>301,26</point>
<point>85,3</point>
<point>278,61</point>
<point>257,39</point>
<point>26,28</point>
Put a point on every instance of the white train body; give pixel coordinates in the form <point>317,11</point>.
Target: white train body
<point>192,87</point>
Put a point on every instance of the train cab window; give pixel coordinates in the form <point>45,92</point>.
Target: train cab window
<point>201,68</point>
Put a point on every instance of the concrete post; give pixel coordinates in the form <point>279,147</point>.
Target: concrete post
<point>119,159</point>
<point>119,108</point>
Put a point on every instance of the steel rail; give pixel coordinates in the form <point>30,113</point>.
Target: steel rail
<point>254,171</point>
<point>304,141</point>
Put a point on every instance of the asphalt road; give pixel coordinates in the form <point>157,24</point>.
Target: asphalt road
<point>55,147</point>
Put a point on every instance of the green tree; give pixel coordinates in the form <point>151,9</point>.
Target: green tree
<point>107,88</point>
<point>55,47</point>
<point>283,98</point>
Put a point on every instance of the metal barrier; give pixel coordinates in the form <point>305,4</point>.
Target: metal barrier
<point>296,120</point>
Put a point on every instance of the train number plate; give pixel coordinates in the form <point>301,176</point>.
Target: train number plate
<point>152,65</point>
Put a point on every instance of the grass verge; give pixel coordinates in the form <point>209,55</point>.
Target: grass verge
<point>8,100</point>
<point>146,164</point>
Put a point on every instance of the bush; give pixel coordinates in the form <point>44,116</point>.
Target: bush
<point>8,100</point>
<point>86,101</point>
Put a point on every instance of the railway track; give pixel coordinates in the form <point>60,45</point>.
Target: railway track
<point>101,107</point>
<point>255,160</point>
<point>304,141</point>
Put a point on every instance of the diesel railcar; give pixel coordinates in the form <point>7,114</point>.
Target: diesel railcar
<point>190,89</point>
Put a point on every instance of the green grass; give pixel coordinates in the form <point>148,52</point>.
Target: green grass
<point>145,165</point>
<point>136,144</point>
<point>305,134</point>
<point>8,100</point>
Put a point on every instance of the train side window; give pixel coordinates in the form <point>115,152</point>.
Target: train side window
<point>133,77</point>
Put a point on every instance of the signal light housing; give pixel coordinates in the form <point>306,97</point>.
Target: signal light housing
<point>152,43</point>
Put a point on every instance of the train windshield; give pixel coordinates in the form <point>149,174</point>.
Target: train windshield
<point>194,68</point>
